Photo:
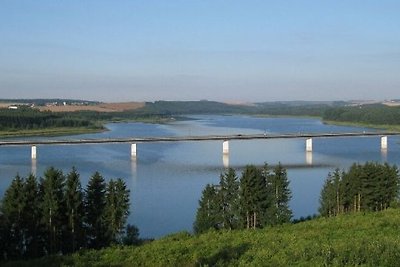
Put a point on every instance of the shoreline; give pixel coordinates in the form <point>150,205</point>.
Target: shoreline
<point>76,131</point>
<point>50,132</point>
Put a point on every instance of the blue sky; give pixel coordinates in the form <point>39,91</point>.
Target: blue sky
<point>206,49</point>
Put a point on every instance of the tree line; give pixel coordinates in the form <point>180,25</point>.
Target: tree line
<point>26,118</point>
<point>54,214</point>
<point>258,199</point>
<point>364,187</point>
<point>369,114</point>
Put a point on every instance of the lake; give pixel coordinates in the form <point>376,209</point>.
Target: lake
<point>166,179</point>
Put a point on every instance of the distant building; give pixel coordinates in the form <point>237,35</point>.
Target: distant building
<point>12,107</point>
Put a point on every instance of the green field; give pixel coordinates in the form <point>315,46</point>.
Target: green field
<point>371,239</point>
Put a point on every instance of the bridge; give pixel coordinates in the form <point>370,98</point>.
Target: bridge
<point>225,138</point>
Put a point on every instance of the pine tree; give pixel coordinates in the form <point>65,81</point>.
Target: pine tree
<point>278,184</point>
<point>74,212</point>
<point>116,209</point>
<point>208,211</point>
<point>228,197</point>
<point>254,199</point>
<point>327,198</point>
<point>12,210</point>
<point>33,230</point>
<point>53,208</point>
<point>95,203</point>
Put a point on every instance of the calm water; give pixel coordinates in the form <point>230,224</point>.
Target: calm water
<point>166,180</point>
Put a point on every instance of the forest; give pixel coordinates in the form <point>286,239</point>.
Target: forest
<point>364,187</point>
<point>26,118</point>
<point>259,198</point>
<point>375,114</point>
<point>246,221</point>
<point>54,215</point>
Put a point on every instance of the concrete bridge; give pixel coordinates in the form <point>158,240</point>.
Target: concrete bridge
<point>225,138</point>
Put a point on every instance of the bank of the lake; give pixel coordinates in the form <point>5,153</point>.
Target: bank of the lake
<point>59,131</point>
<point>395,128</point>
<point>368,239</point>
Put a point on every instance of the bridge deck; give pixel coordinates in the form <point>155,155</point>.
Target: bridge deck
<point>192,138</point>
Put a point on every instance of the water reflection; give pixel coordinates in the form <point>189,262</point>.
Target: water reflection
<point>34,167</point>
<point>384,153</point>
<point>225,160</point>
<point>309,158</point>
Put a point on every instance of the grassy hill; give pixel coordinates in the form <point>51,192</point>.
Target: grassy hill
<point>371,239</point>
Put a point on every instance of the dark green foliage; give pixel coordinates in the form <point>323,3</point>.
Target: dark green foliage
<point>49,218</point>
<point>12,209</point>
<point>280,195</point>
<point>254,198</point>
<point>53,209</point>
<point>33,229</point>
<point>207,216</point>
<point>369,114</point>
<point>228,200</point>
<point>27,118</point>
<point>132,235</point>
<point>368,187</point>
<point>260,198</point>
<point>116,210</point>
<point>74,211</point>
<point>95,207</point>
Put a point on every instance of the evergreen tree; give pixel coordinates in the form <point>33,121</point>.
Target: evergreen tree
<point>95,204</point>
<point>116,209</point>
<point>368,187</point>
<point>12,210</point>
<point>53,208</point>
<point>327,200</point>
<point>74,212</point>
<point>132,235</point>
<point>254,199</point>
<point>33,230</point>
<point>278,184</point>
<point>208,211</point>
<point>228,198</point>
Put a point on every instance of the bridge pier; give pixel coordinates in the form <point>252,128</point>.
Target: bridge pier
<point>309,145</point>
<point>384,144</point>
<point>225,147</point>
<point>33,152</point>
<point>133,150</point>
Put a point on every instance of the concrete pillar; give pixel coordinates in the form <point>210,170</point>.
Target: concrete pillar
<point>225,147</point>
<point>309,145</point>
<point>384,144</point>
<point>33,152</point>
<point>133,150</point>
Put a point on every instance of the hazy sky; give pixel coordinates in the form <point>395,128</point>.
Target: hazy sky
<point>200,49</point>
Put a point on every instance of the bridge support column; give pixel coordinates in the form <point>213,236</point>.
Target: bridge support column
<point>309,145</point>
<point>384,144</point>
<point>133,150</point>
<point>33,152</point>
<point>225,147</point>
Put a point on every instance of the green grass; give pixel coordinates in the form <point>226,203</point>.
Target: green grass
<point>371,239</point>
